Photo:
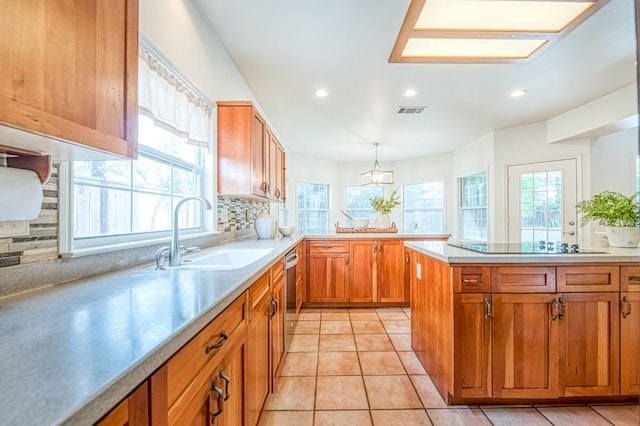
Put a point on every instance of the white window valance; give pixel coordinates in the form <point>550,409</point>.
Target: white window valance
<point>171,104</point>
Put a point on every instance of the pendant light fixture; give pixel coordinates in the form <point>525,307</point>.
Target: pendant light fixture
<point>377,176</point>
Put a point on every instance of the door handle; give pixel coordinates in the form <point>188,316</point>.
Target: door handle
<point>227,381</point>
<point>627,307</point>
<point>487,302</point>
<point>347,259</point>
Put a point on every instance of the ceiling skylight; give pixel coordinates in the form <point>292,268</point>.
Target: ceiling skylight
<point>476,31</point>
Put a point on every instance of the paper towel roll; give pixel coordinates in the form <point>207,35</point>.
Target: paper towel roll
<point>20,194</point>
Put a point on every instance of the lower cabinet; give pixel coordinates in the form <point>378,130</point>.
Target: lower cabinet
<point>522,345</point>
<point>390,272</point>
<point>277,320</point>
<point>132,411</point>
<point>589,343</point>
<point>629,343</point>
<point>228,390</point>
<point>472,370</point>
<point>257,377</point>
<point>525,347</point>
<point>327,276</point>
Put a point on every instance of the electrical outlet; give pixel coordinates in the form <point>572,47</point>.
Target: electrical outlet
<point>224,215</point>
<point>14,228</point>
<point>418,271</point>
<point>247,215</point>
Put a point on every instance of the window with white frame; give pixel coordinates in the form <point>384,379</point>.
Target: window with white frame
<point>120,200</point>
<point>423,205</point>
<point>473,207</point>
<point>357,200</point>
<point>313,207</point>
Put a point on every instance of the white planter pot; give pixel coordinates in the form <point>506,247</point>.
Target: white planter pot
<point>383,221</point>
<point>623,236</point>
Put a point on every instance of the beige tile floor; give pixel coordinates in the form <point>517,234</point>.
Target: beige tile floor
<point>355,367</point>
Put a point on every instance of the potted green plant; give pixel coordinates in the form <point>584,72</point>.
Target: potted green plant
<point>618,214</point>
<point>383,207</point>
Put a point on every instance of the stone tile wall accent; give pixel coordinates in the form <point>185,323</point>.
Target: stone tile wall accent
<point>237,209</point>
<point>41,242</point>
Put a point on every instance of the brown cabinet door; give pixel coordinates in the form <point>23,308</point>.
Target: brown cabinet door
<point>525,346</point>
<point>276,155</point>
<point>589,342</point>
<point>523,279</point>
<point>390,268</point>
<point>472,370</point>
<point>73,73</point>
<point>362,270</point>
<point>132,411</point>
<point>277,328</point>
<point>258,142</point>
<point>630,343</point>
<point>230,380</point>
<point>257,374</point>
<point>328,277</point>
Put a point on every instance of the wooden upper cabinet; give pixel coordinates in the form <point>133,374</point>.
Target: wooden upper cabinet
<point>70,72</point>
<point>250,158</point>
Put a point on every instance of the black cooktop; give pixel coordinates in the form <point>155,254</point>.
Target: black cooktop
<point>509,248</point>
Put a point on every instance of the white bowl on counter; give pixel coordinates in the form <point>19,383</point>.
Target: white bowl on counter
<point>286,230</point>
<point>359,223</point>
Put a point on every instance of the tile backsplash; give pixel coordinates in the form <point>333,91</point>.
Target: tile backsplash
<point>241,213</point>
<point>38,240</point>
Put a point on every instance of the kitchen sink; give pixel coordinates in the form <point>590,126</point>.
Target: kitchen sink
<point>223,259</point>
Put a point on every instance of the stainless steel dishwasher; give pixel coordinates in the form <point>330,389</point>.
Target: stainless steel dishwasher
<point>290,262</point>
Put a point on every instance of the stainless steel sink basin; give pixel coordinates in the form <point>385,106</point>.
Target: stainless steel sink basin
<point>223,259</point>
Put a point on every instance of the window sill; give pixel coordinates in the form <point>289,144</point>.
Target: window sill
<point>107,248</point>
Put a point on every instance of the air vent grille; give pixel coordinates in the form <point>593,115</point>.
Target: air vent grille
<point>411,109</point>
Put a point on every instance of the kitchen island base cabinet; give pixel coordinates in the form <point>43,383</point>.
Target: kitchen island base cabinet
<point>328,271</point>
<point>529,343</point>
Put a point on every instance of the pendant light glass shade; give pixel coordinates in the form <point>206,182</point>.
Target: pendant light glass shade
<point>377,176</point>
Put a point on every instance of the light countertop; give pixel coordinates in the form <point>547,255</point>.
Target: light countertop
<point>442,251</point>
<point>70,353</point>
<point>406,235</point>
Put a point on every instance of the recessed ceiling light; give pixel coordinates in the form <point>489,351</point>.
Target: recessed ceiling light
<point>410,92</point>
<point>518,93</point>
<point>321,93</point>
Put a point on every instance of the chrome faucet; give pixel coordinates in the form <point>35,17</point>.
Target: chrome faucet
<point>175,253</point>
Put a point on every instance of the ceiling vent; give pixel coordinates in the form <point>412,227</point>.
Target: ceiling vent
<point>411,109</point>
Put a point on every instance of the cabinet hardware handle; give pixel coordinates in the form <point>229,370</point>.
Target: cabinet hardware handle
<point>277,193</point>
<point>380,247</point>
<point>220,399</point>
<point>227,381</point>
<point>561,313</point>
<point>487,302</point>
<point>274,307</point>
<point>627,305</point>
<point>406,258</point>
<point>375,248</point>
<point>634,278</point>
<point>555,306</point>
<point>327,246</point>
<point>219,343</point>
<point>472,281</point>
<point>263,187</point>
<point>347,259</point>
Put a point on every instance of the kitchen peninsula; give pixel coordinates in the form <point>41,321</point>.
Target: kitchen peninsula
<point>508,328</point>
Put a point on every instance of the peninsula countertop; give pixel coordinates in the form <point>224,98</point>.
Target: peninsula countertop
<point>70,353</point>
<point>454,255</point>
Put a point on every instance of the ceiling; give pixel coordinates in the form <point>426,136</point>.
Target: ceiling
<point>287,49</point>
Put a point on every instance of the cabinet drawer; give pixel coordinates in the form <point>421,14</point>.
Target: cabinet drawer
<point>329,246</point>
<point>258,291</point>
<point>472,279</point>
<point>588,278</point>
<point>630,278</point>
<point>523,279</point>
<point>185,365</point>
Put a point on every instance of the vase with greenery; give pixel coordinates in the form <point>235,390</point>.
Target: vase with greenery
<point>618,213</point>
<point>383,207</point>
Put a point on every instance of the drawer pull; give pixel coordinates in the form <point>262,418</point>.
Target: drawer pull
<point>634,278</point>
<point>472,281</point>
<point>326,246</point>
<point>627,307</point>
<point>219,343</point>
<point>227,381</point>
